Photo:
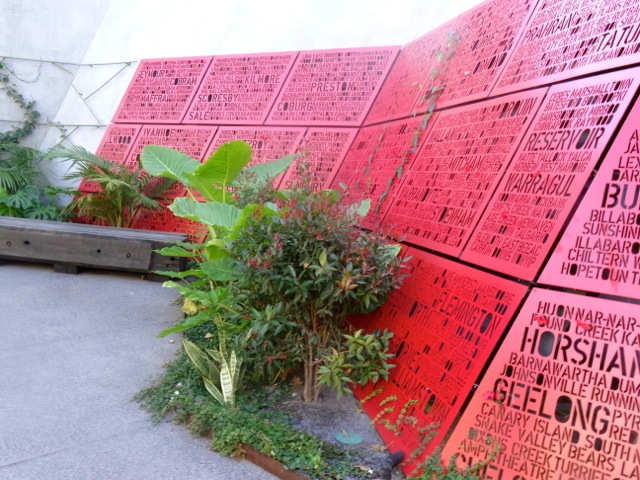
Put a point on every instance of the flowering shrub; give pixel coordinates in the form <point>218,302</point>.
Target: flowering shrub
<point>314,265</point>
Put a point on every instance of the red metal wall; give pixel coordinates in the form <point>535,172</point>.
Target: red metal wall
<point>516,192</point>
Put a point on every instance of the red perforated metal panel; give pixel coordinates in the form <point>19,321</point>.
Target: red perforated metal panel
<point>552,164</point>
<point>600,249</point>
<point>446,321</point>
<point>357,159</point>
<point>568,38</point>
<point>117,142</point>
<point>560,399</point>
<point>457,169</point>
<point>332,87</point>
<point>191,140</point>
<point>240,89</point>
<point>488,34</point>
<point>323,150</point>
<point>410,76</point>
<point>161,90</point>
<point>390,152</point>
<point>165,221</point>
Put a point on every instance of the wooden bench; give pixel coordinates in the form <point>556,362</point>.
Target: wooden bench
<point>71,245</point>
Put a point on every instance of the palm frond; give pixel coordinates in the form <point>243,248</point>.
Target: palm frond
<point>18,166</point>
<point>81,160</point>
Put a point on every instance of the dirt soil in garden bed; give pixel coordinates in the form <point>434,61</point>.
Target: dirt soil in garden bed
<point>329,417</point>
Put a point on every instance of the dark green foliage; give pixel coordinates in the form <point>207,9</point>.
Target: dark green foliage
<point>253,421</point>
<point>307,267</point>
<point>22,190</point>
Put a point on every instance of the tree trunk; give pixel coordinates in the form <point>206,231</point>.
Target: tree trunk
<point>315,337</point>
<point>308,373</point>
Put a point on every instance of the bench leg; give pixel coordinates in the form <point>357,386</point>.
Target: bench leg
<point>65,268</point>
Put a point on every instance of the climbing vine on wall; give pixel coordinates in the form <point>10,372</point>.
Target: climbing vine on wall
<point>30,114</point>
<point>430,98</point>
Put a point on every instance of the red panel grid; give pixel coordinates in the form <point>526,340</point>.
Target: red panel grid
<point>542,183</point>
<point>446,321</point>
<point>457,169</point>
<point>358,157</point>
<point>391,149</point>
<point>161,90</point>
<point>487,37</point>
<point>191,140</point>
<point>600,249</point>
<point>332,87</point>
<point>410,76</point>
<point>117,142</point>
<point>560,399</point>
<point>323,150</point>
<point>240,89</point>
<point>568,38</point>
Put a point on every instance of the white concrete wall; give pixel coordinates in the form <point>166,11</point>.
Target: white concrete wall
<point>42,42</point>
<point>79,55</point>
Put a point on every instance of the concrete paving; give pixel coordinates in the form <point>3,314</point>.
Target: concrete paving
<point>74,351</point>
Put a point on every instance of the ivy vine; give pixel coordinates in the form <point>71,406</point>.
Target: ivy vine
<point>430,97</point>
<point>30,114</point>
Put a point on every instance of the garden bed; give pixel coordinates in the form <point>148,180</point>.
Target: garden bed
<point>274,428</point>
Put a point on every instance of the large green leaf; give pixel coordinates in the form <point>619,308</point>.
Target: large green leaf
<point>214,214</point>
<point>214,391</point>
<point>265,170</point>
<point>167,162</point>
<point>363,208</point>
<point>205,188</point>
<point>199,359</point>
<point>225,164</point>
<point>175,251</point>
<point>190,322</point>
<point>220,269</point>
<point>227,384</point>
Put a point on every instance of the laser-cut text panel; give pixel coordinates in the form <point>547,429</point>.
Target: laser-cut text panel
<point>446,321</point>
<point>599,251</point>
<point>165,221</point>
<point>240,89</point>
<point>354,165</point>
<point>568,38</point>
<point>332,87</point>
<point>457,169</point>
<point>410,76</point>
<point>542,183</point>
<point>323,150</point>
<point>117,141</point>
<point>161,90</point>
<point>392,151</point>
<point>488,34</point>
<point>560,399</point>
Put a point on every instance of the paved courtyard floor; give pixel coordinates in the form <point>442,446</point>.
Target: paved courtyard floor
<point>74,351</point>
